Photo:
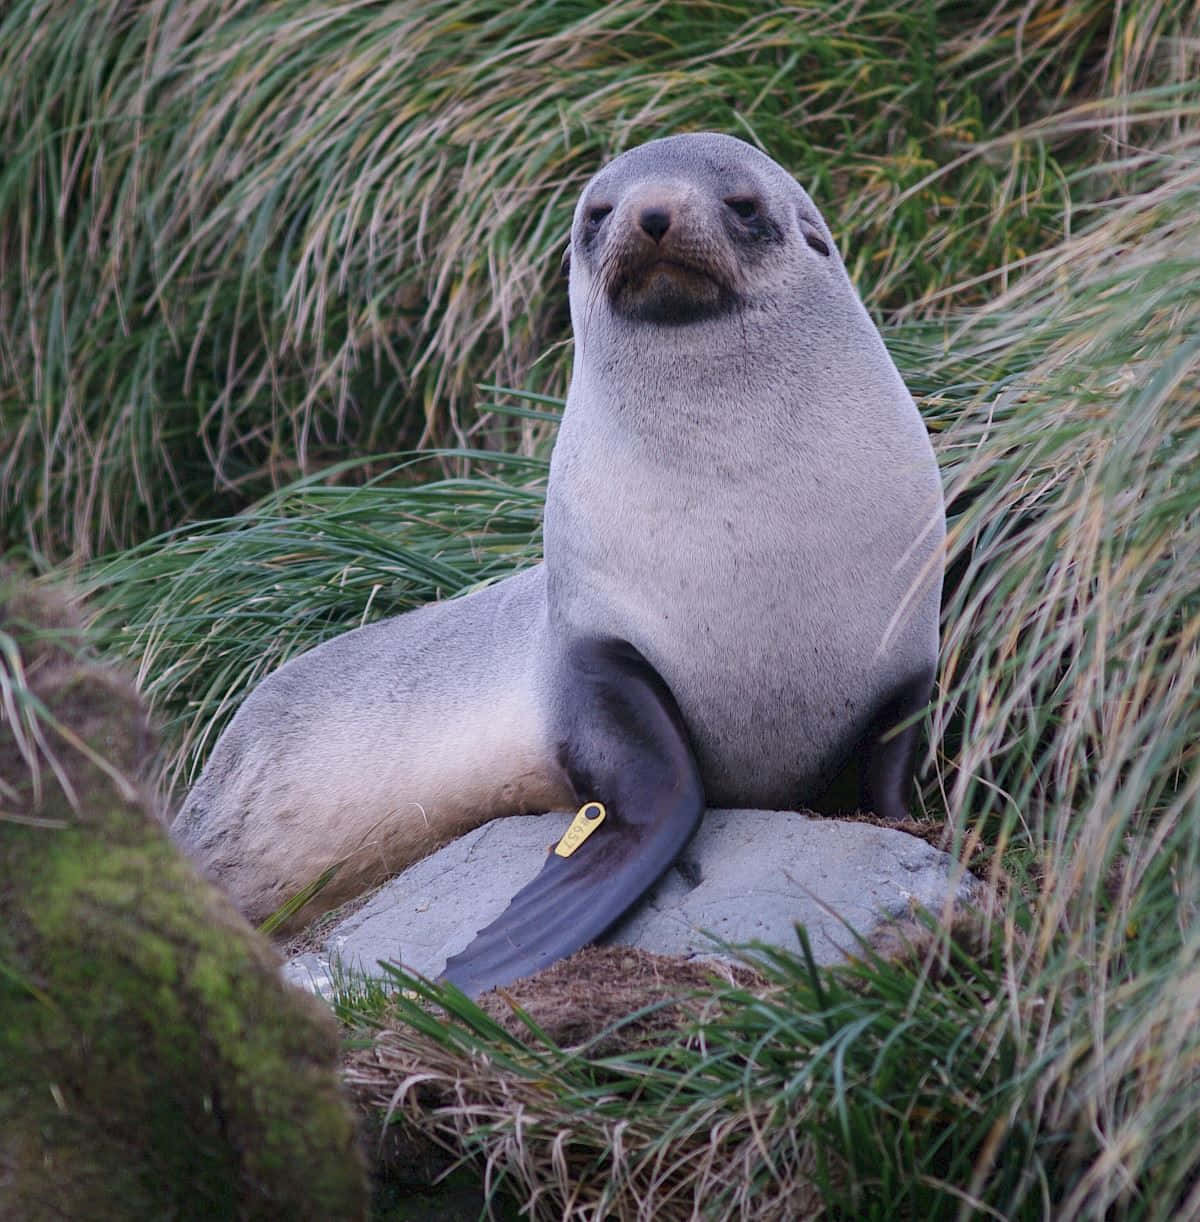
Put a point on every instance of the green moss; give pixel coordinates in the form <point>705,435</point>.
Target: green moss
<point>155,1064</point>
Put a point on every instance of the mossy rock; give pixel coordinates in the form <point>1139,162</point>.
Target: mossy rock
<point>154,1064</point>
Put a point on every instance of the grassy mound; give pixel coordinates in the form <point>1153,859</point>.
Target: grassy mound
<point>797,1095</point>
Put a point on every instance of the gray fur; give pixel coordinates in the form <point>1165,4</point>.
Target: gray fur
<point>751,500</point>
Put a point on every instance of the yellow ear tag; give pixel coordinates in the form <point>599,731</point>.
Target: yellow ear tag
<point>588,818</point>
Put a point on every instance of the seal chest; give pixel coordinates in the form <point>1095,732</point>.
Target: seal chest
<point>740,588</point>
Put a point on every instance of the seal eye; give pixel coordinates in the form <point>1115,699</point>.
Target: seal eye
<point>596,214</point>
<point>743,206</point>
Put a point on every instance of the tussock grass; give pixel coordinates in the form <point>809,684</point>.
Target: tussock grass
<point>207,611</point>
<point>1071,655</point>
<point>1078,478</point>
<point>237,244</point>
<point>816,1092</point>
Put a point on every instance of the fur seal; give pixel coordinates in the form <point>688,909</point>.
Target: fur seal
<point>740,589</point>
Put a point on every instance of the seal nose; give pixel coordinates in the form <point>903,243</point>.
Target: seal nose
<point>655,222</point>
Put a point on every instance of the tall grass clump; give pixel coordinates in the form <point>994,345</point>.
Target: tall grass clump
<point>304,564</point>
<point>1071,666</point>
<point>238,243</point>
<point>808,1095</point>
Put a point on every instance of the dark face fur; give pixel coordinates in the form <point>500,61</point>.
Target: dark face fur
<point>673,232</point>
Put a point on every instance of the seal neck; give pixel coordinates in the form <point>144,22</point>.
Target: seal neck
<point>713,383</point>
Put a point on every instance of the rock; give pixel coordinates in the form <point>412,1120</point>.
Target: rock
<point>153,1063</point>
<point>749,875</point>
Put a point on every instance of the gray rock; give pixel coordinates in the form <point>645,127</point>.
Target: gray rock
<point>749,875</point>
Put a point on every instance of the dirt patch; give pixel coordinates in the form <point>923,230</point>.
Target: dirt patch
<point>579,1000</point>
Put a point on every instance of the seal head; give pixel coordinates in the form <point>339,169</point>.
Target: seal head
<point>686,229</point>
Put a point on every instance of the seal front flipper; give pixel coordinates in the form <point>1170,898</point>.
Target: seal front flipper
<point>887,755</point>
<point>623,745</point>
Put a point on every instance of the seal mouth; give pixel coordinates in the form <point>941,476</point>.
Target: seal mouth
<point>667,289</point>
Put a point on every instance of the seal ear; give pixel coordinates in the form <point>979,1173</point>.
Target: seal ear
<point>812,233</point>
<point>565,265</point>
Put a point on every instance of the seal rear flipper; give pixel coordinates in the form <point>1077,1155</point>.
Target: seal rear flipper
<point>623,744</point>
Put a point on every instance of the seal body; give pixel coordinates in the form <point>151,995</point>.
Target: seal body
<point>373,749</point>
<point>742,572</point>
